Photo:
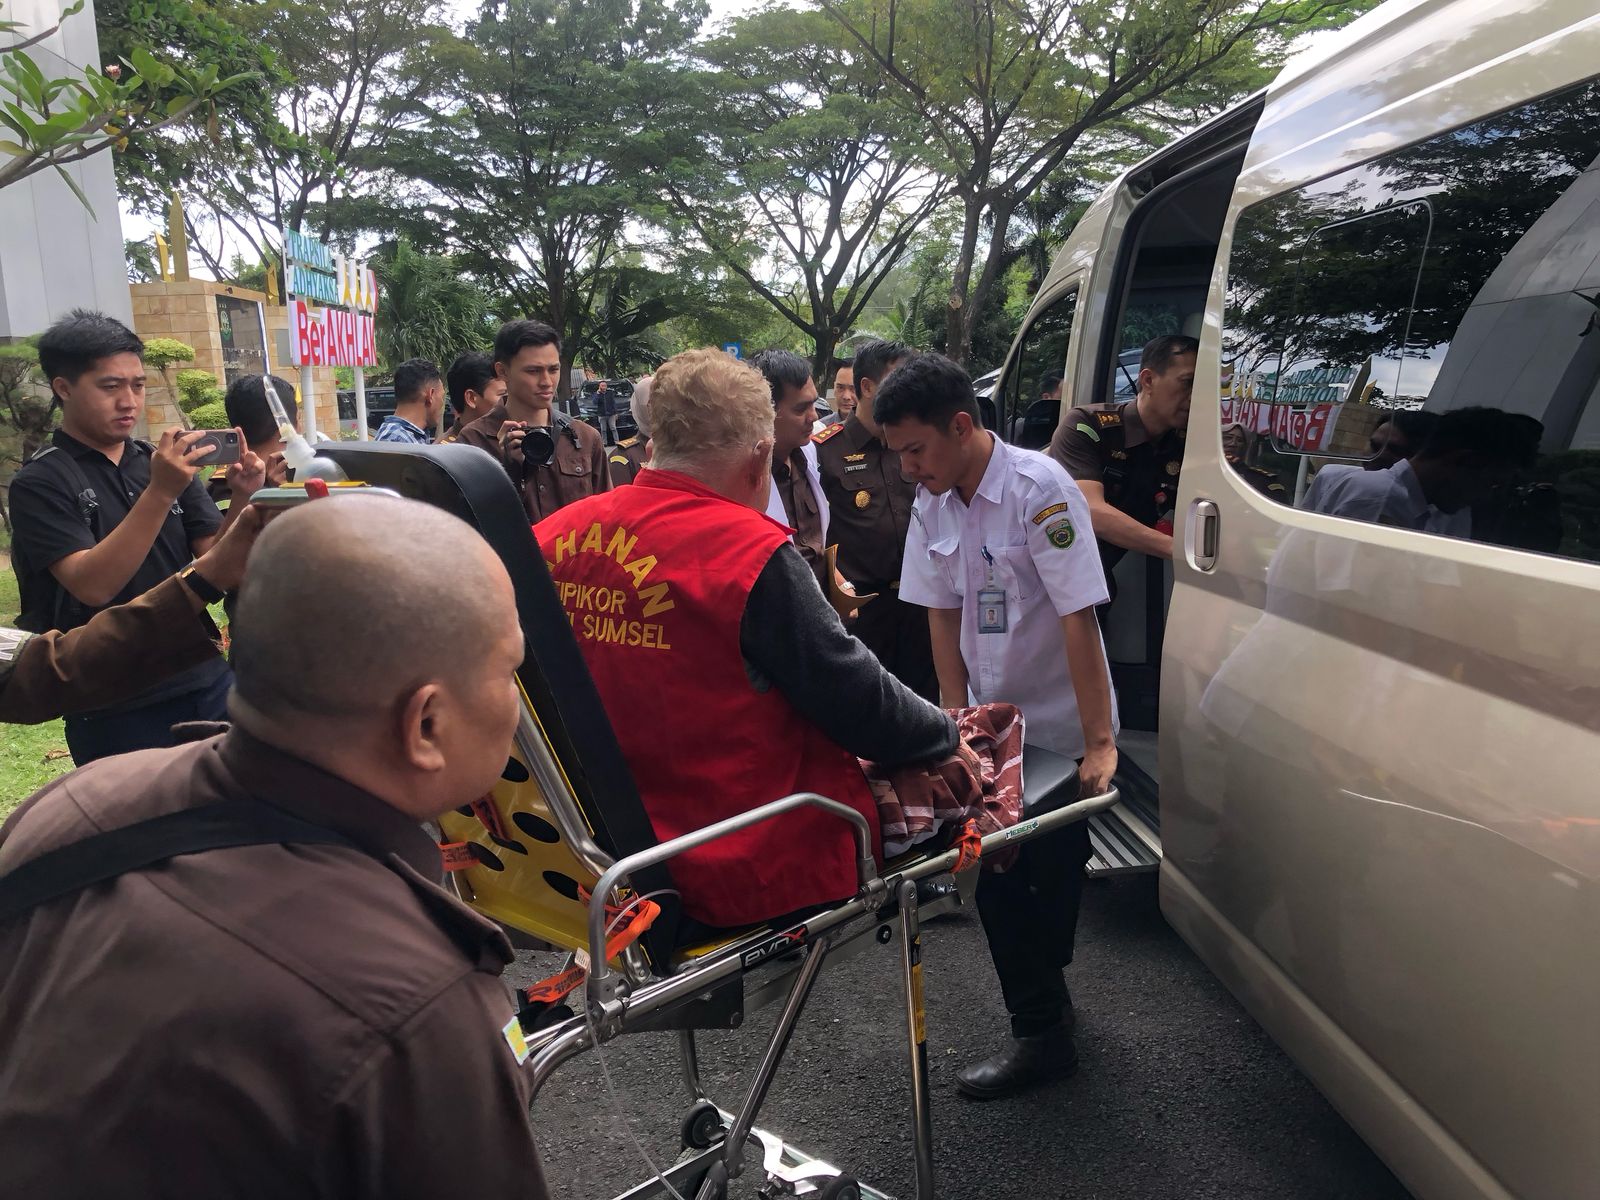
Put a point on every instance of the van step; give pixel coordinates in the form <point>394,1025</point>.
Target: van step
<point>1127,839</point>
<point>1122,844</point>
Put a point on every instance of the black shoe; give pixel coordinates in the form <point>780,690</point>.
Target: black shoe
<point>1023,1064</point>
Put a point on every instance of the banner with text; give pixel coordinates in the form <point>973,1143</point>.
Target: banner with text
<point>331,337</point>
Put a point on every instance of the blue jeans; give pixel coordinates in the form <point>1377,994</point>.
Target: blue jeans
<point>102,735</point>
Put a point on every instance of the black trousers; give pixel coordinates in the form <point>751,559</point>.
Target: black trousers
<point>1030,917</point>
<point>897,634</point>
<point>92,737</point>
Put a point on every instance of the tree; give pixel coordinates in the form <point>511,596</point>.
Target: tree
<point>429,309</point>
<point>526,164</point>
<point>1007,92</point>
<point>626,333</point>
<point>793,171</point>
<point>51,123</point>
<point>340,77</point>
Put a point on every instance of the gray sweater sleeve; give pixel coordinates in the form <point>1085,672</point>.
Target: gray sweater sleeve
<point>792,640</point>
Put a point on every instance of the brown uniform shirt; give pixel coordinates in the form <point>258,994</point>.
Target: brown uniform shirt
<point>627,460</point>
<point>578,469</point>
<point>118,654</point>
<point>262,1021</point>
<point>869,514</point>
<point>800,508</point>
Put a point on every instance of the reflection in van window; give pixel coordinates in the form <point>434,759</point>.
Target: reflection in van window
<point>1416,341</point>
<point>1031,396</point>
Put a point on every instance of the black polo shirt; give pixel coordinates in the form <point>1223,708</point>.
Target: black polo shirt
<point>70,499</point>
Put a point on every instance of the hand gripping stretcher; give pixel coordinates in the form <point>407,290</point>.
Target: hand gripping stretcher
<point>563,855</point>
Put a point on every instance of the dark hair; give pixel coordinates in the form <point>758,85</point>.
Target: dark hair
<point>1050,383</point>
<point>1488,433</point>
<point>469,373</point>
<point>783,369</point>
<point>519,335</point>
<point>411,376</point>
<point>246,403</point>
<point>873,359</point>
<point>1414,427</point>
<point>1159,352</point>
<point>79,340</point>
<point>927,388</point>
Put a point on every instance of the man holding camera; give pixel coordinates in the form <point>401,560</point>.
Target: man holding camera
<point>99,517</point>
<point>552,459</point>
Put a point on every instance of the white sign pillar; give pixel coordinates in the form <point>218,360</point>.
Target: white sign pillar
<point>361,404</point>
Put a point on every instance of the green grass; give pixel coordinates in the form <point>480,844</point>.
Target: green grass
<point>30,755</point>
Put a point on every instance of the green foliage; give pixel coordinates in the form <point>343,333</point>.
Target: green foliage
<point>1005,94</point>
<point>210,415</point>
<point>163,352</point>
<point>25,407</point>
<point>141,259</point>
<point>50,122</point>
<point>784,137</point>
<point>526,163</point>
<point>197,388</point>
<point>429,309</point>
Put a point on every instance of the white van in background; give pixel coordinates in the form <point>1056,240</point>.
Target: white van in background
<point>1373,722</point>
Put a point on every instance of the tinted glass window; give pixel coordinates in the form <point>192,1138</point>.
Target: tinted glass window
<point>1031,395</point>
<point>1417,341</point>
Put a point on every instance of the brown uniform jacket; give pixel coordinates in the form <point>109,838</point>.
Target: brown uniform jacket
<point>119,653</point>
<point>793,482</point>
<point>869,504</point>
<point>262,1021</point>
<point>627,460</point>
<point>579,468</point>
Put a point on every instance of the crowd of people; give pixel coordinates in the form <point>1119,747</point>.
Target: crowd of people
<point>269,964</point>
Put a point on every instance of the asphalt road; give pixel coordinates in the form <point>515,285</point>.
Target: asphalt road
<point>1180,1094</point>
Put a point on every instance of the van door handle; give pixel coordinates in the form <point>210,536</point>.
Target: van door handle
<point>1200,536</point>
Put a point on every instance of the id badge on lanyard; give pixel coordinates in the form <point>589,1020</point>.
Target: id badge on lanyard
<point>991,600</point>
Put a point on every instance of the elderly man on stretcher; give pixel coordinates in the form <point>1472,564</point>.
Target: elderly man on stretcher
<point>730,681</point>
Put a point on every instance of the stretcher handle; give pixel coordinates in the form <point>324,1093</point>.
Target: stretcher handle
<point>600,973</point>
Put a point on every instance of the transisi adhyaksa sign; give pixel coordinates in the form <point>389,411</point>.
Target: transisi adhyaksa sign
<point>340,333</point>
<point>1300,411</point>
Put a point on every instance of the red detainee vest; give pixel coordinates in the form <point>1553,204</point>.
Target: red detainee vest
<point>655,578</point>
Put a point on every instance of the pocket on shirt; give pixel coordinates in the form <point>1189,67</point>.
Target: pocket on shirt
<point>1015,572</point>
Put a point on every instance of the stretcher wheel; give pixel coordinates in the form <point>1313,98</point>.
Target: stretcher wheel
<point>702,1126</point>
<point>841,1187</point>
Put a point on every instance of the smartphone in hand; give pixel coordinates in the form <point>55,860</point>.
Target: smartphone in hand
<point>223,447</point>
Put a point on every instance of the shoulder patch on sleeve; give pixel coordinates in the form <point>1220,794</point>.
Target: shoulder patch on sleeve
<point>1061,533</point>
<point>1039,518</point>
<point>827,433</point>
<point>1088,431</point>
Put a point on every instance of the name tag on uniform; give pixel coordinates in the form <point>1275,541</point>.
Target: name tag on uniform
<point>991,611</point>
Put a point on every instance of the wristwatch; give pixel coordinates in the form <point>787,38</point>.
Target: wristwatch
<point>197,583</point>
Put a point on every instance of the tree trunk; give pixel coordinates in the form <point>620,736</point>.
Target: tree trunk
<point>979,295</point>
<point>957,326</point>
<point>826,342</point>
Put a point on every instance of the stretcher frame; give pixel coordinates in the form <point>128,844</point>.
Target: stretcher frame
<point>651,984</point>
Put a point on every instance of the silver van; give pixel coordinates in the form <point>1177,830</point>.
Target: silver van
<point>1369,701</point>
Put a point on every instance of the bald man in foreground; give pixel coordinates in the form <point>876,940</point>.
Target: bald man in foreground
<point>302,1010</point>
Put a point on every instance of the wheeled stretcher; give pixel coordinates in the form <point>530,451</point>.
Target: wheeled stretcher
<point>563,856</point>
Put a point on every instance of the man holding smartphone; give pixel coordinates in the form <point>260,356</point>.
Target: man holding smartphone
<point>99,517</point>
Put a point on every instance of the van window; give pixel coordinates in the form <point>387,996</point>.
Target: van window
<point>1030,397</point>
<point>1416,341</point>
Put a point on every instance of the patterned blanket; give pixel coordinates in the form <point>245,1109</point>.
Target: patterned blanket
<point>981,782</point>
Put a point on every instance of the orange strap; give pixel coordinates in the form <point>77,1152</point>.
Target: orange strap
<point>643,916</point>
<point>970,846</point>
<point>557,988</point>
<point>483,808</point>
<point>457,856</point>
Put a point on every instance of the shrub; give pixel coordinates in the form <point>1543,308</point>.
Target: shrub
<point>163,352</point>
<point>211,415</point>
<point>196,388</point>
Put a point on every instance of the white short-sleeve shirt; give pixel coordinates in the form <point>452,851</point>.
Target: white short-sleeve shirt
<point>1033,521</point>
